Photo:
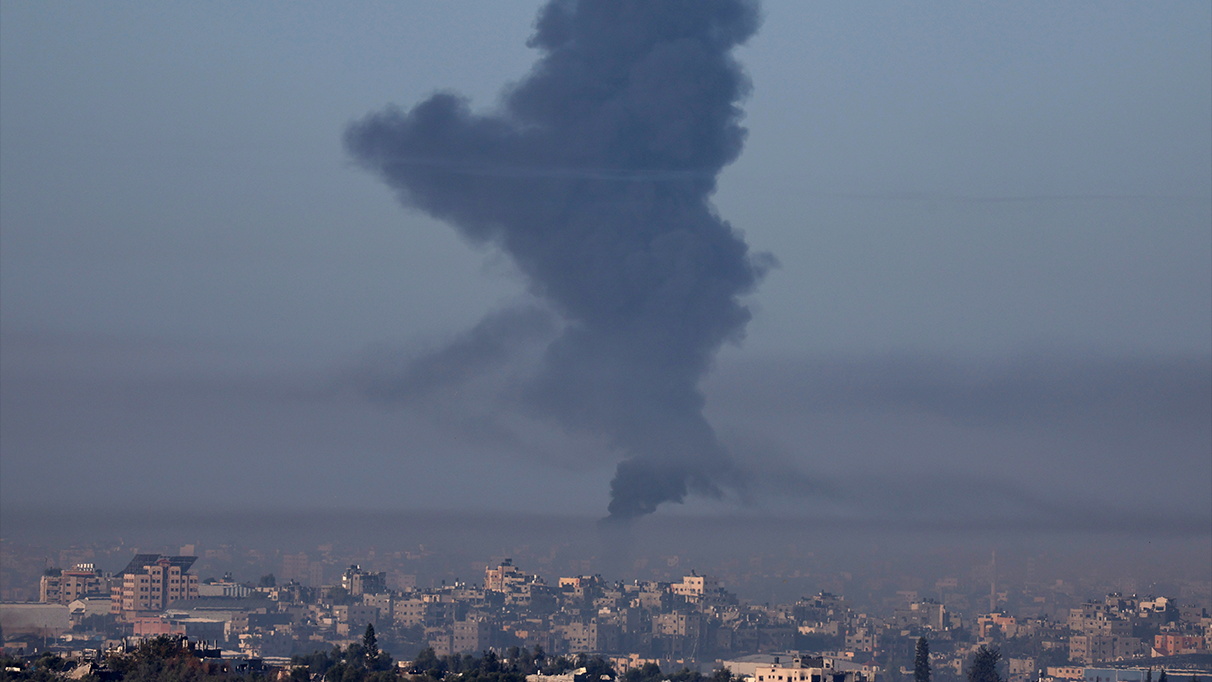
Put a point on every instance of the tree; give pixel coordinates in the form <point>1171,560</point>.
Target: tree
<point>1161,677</point>
<point>984,666</point>
<point>268,581</point>
<point>921,661</point>
<point>540,657</point>
<point>426,661</point>
<point>1149,675</point>
<point>597,667</point>
<point>370,645</point>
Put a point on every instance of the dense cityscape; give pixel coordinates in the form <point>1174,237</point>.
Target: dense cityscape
<point>606,341</point>
<point>265,613</point>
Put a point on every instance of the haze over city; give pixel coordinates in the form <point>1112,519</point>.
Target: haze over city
<point>606,341</point>
<point>974,291</point>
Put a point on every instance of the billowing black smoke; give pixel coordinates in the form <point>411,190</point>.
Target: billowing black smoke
<point>595,177</point>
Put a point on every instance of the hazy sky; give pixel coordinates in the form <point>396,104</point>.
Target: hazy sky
<point>993,224</point>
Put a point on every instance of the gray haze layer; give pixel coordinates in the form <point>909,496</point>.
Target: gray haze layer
<point>993,307</point>
<point>594,177</point>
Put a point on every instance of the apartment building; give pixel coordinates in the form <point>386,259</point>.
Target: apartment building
<point>66,586</point>
<point>150,582</point>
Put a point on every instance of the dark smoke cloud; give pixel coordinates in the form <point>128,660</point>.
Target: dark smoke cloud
<point>594,176</point>
<point>496,340</point>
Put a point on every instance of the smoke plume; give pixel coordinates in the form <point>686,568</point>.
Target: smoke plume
<point>594,176</point>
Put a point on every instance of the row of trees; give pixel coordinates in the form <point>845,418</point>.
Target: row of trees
<point>985,665</point>
<point>173,659</point>
<point>158,659</point>
<point>363,662</point>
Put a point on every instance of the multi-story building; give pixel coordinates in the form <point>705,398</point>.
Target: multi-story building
<point>1007,626</point>
<point>150,582</point>
<point>692,586</point>
<point>297,567</point>
<point>470,636</point>
<point>1090,649</point>
<point>358,582</point>
<point>352,619</point>
<point>1021,670</point>
<point>503,577</point>
<point>590,636</point>
<point>925,614</point>
<point>861,639</point>
<point>1167,644</point>
<point>64,587</point>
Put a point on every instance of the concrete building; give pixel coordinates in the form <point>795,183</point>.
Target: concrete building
<point>1175,645</point>
<point>861,639</point>
<point>813,670</point>
<point>297,567</point>
<point>225,588</point>
<point>1021,670</point>
<point>503,577</point>
<point>359,582</point>
<point>1007,626</point>
<point>470,636</point>
<point>591,636</point>
<point>40,620</point>
<point>1116,675</point>
<point>1089,649</point>
<point>384,603</point>
<point>65,586</point>
<point>925,614</point>
<point>353,619</point>
<point>89,606</point>
<point>150,582</point>
<point>694,587</point>
<point>194,628</point>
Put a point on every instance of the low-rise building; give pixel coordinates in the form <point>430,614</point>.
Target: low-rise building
<point>224,588</point>
<point>1174,645</point>
<point>813,670</point>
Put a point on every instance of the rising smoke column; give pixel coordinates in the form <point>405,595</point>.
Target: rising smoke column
<point>594,176</point>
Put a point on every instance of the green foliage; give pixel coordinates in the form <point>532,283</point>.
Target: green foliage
<point>268,581</point>
<point>514,666</point>
<point>651,672</point>
<point>1161,677</point>
<point>556,666</point>
<point>164,658</point>
<point>370,647</point>
<point>921,661</point>
<point>45,668</point>
<point>984,666</point>
<point>98,622</point>
<point>1057,657</point>
<point>356,663</point>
